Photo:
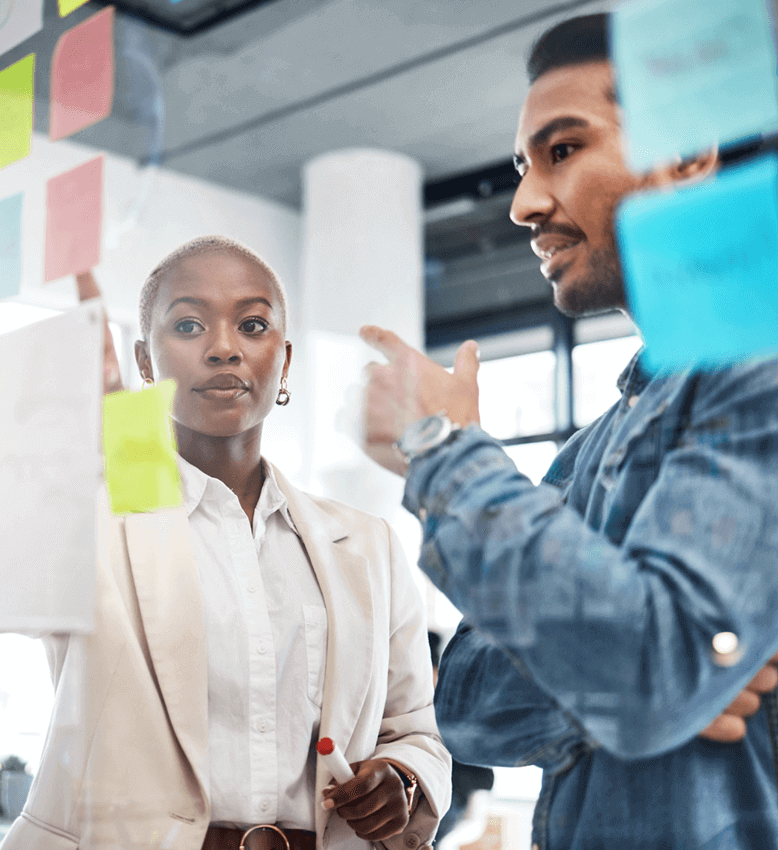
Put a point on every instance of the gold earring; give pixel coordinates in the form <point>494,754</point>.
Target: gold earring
<point>283,394</point>
<point>148,382</point>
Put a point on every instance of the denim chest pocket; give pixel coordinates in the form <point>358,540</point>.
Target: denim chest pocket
<point>315,650</point>
<point>639,451</point>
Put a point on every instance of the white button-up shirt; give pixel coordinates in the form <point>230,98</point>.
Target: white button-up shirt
<point>266,630</point>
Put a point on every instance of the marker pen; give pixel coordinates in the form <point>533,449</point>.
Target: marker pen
<point>334,760</point>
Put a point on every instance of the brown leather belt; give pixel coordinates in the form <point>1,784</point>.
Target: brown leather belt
<point>266,837</point>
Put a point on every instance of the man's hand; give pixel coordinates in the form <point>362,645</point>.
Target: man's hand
<point>730,725</point>
<point>373,803</point>
<point>112,381</point>
<point>410,387</point>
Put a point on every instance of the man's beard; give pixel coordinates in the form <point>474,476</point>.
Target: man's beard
<point>600,291</point>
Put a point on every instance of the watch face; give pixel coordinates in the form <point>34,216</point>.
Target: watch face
<point>425,434</point>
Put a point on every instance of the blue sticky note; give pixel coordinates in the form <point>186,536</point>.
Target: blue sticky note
<point>691,73</point>
<point>10,246</point>
<point>700,268</point>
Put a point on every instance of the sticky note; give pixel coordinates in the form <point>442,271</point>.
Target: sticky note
<point>74,214</point>
<point>691,73</point>
<point>68,6</point>
<point>700,266</point>
<point>140,457</point>
<point>19,21</point>
<point>16,94</point>
<point>82,76</point>
<point>50,397</point>
<point>10,245</point>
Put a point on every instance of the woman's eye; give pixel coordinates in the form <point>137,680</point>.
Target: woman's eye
<point>188,326</point>
<point>561,151</point>
<point>252,326</point>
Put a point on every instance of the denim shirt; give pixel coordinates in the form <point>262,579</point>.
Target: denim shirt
<point>594,599</point>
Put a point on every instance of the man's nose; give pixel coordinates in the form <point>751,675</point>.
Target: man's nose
<point>532,202</point>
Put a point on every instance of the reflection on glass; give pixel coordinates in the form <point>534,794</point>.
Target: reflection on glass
<point>596,368</point>
<point>532,459</point>
<point>517,395</point>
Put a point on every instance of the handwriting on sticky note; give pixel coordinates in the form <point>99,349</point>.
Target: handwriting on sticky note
<point>16,99</point>
<point>82,76</point>
<point>10,245</point>
<point>140,457</point>
<point>693,73</point>
<point>19,21</point>
<point>699,267</point>
<point>68,6</point>
<point>74,214</point>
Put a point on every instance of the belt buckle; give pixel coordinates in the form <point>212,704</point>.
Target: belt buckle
<point>264,826</point>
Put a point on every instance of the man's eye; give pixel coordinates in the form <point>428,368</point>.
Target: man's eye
<point>252,326</point>
<point>188,326</point>
<point>561,151</point>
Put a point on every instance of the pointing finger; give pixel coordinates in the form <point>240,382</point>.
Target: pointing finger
<point>388,343</point>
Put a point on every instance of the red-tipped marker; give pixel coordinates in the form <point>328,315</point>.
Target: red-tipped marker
<point>325,746</point>
<point>334,759</point>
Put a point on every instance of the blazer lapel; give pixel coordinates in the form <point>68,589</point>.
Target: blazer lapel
<point>165,574</point>
<point>344,580</point>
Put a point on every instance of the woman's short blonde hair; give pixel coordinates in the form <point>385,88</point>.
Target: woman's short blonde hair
<point>203,245</point>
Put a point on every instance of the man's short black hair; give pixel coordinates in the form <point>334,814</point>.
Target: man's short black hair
<point>577,40</point>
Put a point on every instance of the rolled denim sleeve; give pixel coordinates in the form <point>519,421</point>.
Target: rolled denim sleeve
<point>617,622</point>
<point>491,713</point>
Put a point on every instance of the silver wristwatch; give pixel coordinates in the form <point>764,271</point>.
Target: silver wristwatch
<point>426,434</point>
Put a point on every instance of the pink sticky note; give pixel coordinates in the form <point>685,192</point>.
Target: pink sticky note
<point>74,215</point>
<point>82,76</point>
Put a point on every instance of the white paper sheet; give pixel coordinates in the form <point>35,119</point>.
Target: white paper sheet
<point>50,413</point>
<point>19,19</point>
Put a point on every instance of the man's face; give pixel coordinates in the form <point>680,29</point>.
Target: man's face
<point>573,175</point>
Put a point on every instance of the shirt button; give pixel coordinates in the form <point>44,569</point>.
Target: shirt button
<point>252,588</point>
<point>262,649</point>
<point>262,726</point>
<point>265,805</point>
<point>412,841</point>
<point>633,400</point>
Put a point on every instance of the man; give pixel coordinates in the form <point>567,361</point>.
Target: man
<point>628,603</point>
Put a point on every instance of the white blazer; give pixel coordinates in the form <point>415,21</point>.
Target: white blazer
<point>125,761</point>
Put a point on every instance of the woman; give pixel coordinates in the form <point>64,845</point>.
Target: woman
<point>233,632</point>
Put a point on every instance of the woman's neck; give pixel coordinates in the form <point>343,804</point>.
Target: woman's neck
<point>236,461</point>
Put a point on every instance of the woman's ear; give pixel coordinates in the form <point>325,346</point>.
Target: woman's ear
<point>143,359</point>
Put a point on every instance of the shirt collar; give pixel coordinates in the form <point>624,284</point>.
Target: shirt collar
<point>635,376</point>
<point>195,482</point>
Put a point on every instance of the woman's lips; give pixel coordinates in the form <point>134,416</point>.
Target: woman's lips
<point>222,394</point>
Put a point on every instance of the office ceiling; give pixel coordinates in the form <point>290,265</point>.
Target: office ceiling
<point>248,102</point>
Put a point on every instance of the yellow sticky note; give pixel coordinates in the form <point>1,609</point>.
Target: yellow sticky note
<point>17,83</point>
<point>68,6</point>
<point>140,456</point>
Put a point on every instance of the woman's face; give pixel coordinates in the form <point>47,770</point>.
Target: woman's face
<point>217,330</point>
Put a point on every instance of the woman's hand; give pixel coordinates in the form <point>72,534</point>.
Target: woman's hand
<point>730,725</point>
<point>112,381</point>
<point>373,803</point>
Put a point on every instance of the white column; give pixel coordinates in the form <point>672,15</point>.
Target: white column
<point>362,264</point>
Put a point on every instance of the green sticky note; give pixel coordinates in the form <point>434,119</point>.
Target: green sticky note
<point>68,6</point>
<point>17,83</point>
<point>140,456</point>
